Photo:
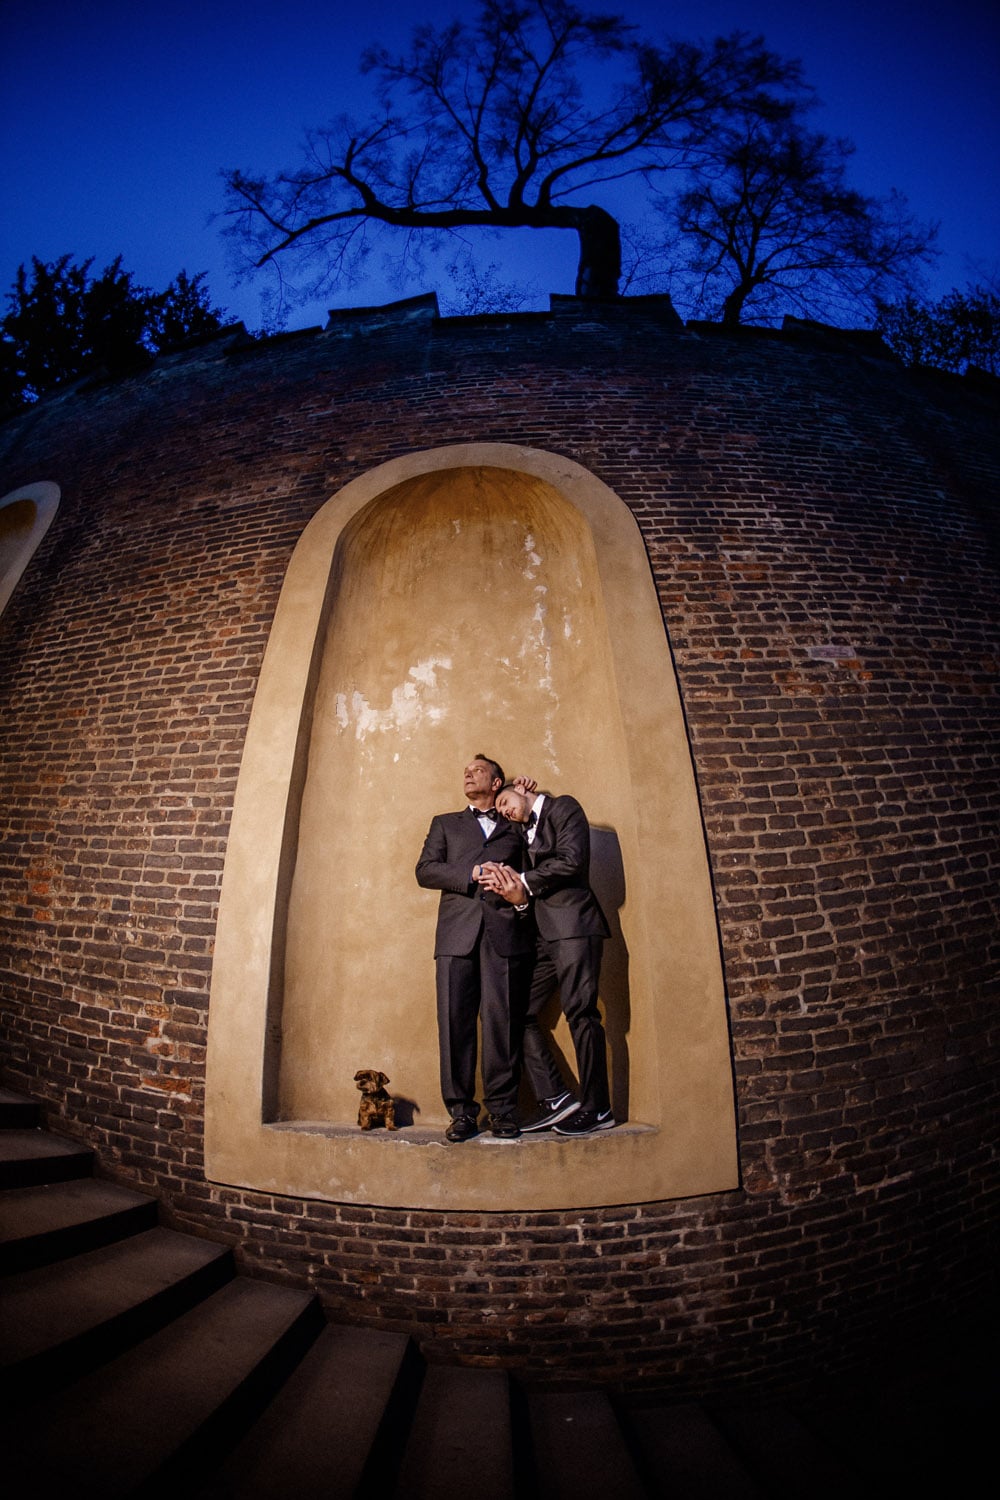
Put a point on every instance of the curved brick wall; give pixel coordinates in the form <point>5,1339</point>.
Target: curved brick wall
<point>822,529</point>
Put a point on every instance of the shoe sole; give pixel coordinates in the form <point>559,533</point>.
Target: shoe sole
<point>599,1125</point>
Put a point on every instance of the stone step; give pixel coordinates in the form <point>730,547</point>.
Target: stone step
<point>682,1452</point>
<point>787,1459</point>
<point>18,1111</point>
<point>579,1449</point>
<point>61,1319</point>
<point>39,1225</point>
<point>30,1157</point>
<point>336,1420</point>
<point>460,1442</point>
<point>926,1428</point>
<point>151,1419</point>
<point>186,1378</point>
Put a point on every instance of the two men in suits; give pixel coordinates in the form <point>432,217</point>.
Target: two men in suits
<point>484,950</point>
<point>555,880</point>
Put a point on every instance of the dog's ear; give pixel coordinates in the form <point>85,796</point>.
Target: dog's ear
<point>382,1080</point>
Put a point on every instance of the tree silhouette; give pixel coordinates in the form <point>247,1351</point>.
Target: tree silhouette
<point>958,333</point>
<point>62,323</point>
<point>502,123</point>
<point>767,221</point>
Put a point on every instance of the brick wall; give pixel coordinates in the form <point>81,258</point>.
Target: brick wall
<point>822,530</point>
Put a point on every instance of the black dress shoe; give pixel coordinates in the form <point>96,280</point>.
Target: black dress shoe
<point>504,1126</point>
<point>462,1128</point>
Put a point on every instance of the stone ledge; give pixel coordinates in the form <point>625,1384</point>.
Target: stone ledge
<point>429,1135</point>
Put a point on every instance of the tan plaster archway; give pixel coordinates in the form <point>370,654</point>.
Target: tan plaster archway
<point>25,516</point>
<point>480,597</point>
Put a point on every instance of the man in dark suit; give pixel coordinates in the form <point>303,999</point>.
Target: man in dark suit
<point>483,949</point>
<point>571,932</point>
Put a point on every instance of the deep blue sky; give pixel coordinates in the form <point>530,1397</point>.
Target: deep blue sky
<point>118,115</point>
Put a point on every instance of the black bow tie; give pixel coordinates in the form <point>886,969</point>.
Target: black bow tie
<point>487,812</point>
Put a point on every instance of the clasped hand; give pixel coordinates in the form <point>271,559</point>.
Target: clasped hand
<point>502,879</point>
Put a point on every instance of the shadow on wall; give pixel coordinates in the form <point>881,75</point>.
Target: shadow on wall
<point>607,880</point>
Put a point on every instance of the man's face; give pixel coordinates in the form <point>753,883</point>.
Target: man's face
<point>478,781</point>
<point>512,806</point>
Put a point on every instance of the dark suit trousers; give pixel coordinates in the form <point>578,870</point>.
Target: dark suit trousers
<point>574,966</point>
<point>484,985</point>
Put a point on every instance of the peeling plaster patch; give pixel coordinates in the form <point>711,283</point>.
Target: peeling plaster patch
<point>407,707</point>
<point>537,646</point>
<point>425,671</point>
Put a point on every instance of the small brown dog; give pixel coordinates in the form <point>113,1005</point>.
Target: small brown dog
<point>376,1107</point>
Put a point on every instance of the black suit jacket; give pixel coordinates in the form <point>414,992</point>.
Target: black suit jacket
<point>454,844</point>
<point>557,872</point>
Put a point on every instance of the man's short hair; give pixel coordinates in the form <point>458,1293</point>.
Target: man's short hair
<point>496,769</point>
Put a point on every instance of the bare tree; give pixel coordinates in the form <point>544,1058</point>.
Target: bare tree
<point>768,223</point>
<point>478,289</point>
<point>488,124</point>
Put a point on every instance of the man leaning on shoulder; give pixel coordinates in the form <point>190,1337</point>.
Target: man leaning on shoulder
<point>571,932</point>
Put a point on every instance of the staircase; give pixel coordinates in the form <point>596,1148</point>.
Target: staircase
<point>134,1361</point>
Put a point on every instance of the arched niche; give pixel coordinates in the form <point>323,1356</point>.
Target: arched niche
<point>25,516</point>
<point>481,597</point>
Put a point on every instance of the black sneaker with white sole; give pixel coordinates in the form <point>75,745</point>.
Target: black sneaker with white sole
<point>550,1112</point>
<point>585,1121</point>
